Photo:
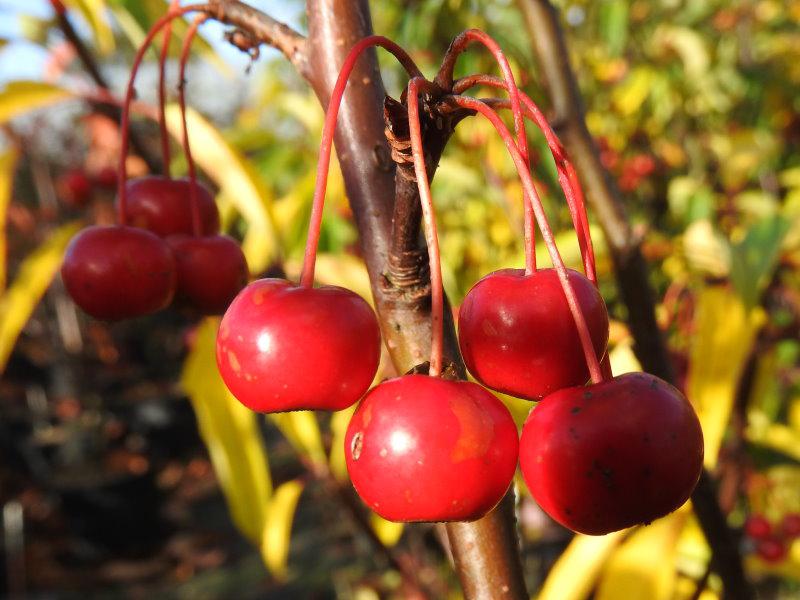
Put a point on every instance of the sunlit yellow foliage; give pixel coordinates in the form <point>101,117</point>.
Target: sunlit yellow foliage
<point>20,97</point>
<point>230,432</point>
<point>721,342</point>
<point>35,273</point>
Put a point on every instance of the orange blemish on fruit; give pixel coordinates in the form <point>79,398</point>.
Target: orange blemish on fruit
<point>476,430</point>
<point>258,297</point>
<point>234,362</point>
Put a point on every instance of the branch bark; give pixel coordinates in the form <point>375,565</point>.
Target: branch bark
<point>629,265</point>
<point>486,551</point>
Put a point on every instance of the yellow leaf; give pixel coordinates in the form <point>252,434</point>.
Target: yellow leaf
<point>643,567</point>
<point>575,573</point>
<point>623,360</point>
<point>723,336</point>
<point>777,436</point>
<point>237,181</point>
<point>706,249</point>
<point>133,31</point>
<point>8,161</point>
<point>94,13</point>
<point>629,96</point>
<point>302,431</point>
<point>339,422</point>
<point>688,44</point>
<point>277,531</point>
<point>20,97</point>
<point>343,270</point>
<point>231,434</point>
<point>388,532</point>
<point>34,276</point>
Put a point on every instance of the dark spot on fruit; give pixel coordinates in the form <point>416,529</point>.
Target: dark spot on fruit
<point>673,436</point>
<point>587,395</point>
<point>589,474</point>
<point>646,438</point>
<point>356,445</point>
<point>646,472</point>
<point>575,410</point>
<point>568,511</point>
<point>654,383</point>
<point>573,434</point>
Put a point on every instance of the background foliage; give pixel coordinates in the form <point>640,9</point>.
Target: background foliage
<point>131,460</point>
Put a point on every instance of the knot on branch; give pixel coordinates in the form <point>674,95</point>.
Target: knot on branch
<point>408,274</point>
<point>244,41</point>
<point>395,116</point>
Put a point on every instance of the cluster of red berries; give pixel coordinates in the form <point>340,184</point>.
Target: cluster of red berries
<point>770,542</point>
<point>123,271</point>
<point>167,246</point>
<point>598,458</point>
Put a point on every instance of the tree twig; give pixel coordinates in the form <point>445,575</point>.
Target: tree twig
<point>630,267</point>
<point>87,60</point>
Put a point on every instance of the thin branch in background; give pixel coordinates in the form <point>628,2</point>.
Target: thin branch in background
<point>89,63</point>
<point>631,269</point>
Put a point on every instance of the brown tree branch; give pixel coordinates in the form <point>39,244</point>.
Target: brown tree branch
<point>487,552</point>
<point>629,264</point>
<point>259,27</point>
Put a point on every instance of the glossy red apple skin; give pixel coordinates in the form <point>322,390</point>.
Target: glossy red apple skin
<point>117,272</point>
<point>517,334</point>
<point>282,347</point>
<point>163,206</point>
<point>608,456</point>
<point>211,270</point>
<point>420,448</point>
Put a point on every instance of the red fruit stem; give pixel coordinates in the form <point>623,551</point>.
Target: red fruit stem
<point>595,370</point>
<point>58,7</point>
<point>567,176</point>
<point>162,94</point>
<point>429,222</point>
<point>187,150</point>
<point>122,217</point>
<point>326,145</point>
<point>459,45</point>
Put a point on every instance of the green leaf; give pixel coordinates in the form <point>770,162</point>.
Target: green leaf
<point>276,536</point>
<point>614,25</point>
<point>231,434</point>
<point>754,259</point>
<point>34,276</point>
<point>20,97</point>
